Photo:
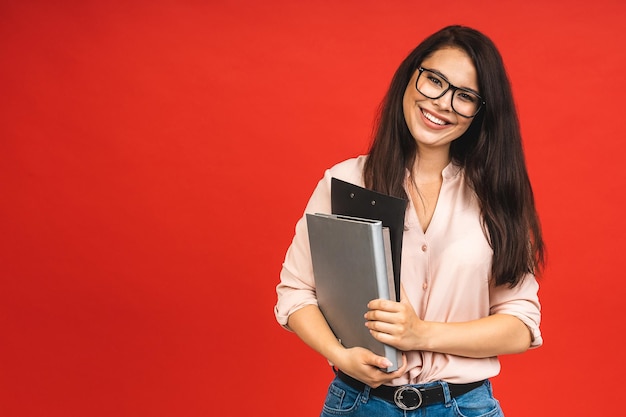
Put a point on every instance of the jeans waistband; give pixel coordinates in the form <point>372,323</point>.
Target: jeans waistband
<point>411,397</point>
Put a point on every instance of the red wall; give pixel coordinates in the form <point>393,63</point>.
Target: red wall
<point>154,157</point>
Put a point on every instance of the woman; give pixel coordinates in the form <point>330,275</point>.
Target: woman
<point>447,140</point>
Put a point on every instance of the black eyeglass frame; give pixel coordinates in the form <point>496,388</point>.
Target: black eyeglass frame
<point>452,87</point>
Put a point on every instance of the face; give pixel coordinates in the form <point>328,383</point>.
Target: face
<point>432,122</point>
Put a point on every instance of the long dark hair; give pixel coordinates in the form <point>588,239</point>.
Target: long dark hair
<point>490,152</point>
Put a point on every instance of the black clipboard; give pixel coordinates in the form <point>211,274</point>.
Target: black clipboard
<point>352,200</point>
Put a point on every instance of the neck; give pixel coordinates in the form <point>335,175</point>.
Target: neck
<point>429,165</point>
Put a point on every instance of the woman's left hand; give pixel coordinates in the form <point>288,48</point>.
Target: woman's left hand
<point>395,323</point>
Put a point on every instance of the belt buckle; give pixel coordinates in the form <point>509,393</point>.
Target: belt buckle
<point>408,398</point>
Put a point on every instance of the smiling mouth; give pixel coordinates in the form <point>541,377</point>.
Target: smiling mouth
<point>433,118</point>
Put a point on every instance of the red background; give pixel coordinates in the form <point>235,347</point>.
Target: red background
<point>154,157</point>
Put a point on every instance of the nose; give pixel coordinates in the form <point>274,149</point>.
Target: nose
<point>445,101</point>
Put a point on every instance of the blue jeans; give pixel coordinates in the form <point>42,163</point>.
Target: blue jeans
<point>343,400</point>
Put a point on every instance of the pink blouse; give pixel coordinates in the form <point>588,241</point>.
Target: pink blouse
<point>445,273</point>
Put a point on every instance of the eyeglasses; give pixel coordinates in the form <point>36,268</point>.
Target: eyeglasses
<point>433,85</point>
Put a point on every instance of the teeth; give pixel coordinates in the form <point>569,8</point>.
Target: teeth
<point>433,118</point>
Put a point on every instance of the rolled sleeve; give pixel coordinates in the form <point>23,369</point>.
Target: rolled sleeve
<point>291,298</point>
<point>296,288</point>
<point>522,302</point>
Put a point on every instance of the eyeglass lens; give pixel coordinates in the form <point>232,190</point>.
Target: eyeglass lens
<point>433,85</point>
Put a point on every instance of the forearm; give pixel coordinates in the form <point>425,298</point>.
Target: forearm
<point>490,336</point>
<point>310,326</point>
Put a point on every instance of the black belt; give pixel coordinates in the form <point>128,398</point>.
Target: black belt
<point>411,397</point>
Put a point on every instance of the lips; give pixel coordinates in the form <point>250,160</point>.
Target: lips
<point>434,119</point>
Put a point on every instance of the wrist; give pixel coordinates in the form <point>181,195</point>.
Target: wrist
<point>334,353</point>
<point>427,336</point>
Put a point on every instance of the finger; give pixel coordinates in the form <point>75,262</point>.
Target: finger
<point>376,361</point>
<point>379,376</point>
<point>386,305</point>
<point>384,337</point>
<point>380,315</point>
<point>401,369</point>
<point>381,327</point>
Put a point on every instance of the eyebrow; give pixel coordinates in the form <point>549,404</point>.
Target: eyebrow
<point>446,78</point>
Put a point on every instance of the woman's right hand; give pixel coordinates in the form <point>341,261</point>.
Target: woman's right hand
<point>362,364</point>
<point>366,366</point>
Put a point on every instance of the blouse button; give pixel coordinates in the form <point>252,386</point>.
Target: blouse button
<point>424,248</point>
<point>424,285</point>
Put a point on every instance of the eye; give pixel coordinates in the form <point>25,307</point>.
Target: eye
<point>466,96</point>
<point>434,80</point>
